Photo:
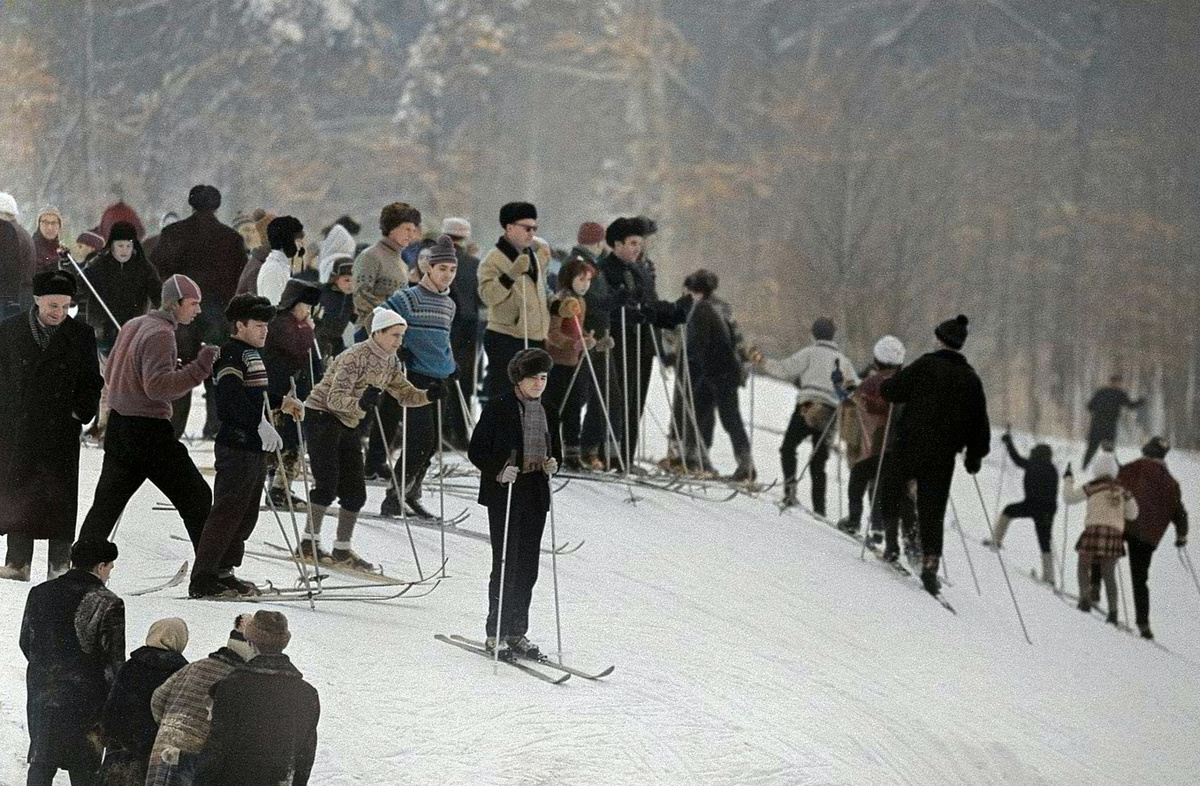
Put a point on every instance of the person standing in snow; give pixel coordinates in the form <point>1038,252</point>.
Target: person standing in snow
<point>181,707</point>
<point>286,237</point>
<point>464,333</point>
<point>567,341</point>
<point>511,448</point>
<point>428,310</point>
<point>1110,509</point>
<point>49,387</point>
<point>16,259</point>
<point>335,307</point>
<point>1040,503</point>
<point>46,240</point>
<point>140,443</point>
<point>335,408</point>
<point>73,635</point>
<point>811,371</point>
<point>1105,406</point>
<point>1160,503</point>
<point>128,727</point>
<point>253,229</point>
<point>264,716</point>
<point>945,411</point>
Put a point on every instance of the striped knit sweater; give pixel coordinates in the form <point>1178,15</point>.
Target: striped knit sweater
<point>429,316</point>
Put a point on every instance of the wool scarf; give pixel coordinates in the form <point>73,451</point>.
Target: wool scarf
<point>535,433</point>
<point>41,333</point>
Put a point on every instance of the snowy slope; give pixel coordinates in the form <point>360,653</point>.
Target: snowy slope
<point>750,648</point>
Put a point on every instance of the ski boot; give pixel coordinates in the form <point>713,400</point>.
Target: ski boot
<point>1084,605</point>
<point>348,560</point>
<point>14,572</point>
<point>849,525</point>
<point>209,586</point>
<point>1111,619</point>
<point>390,507</point>
<point>243,588</point>
<point>789,496</point>
<point>309,551</point>
<point>745,472</point>
<point>574,464</point>
<point>417,509</point>
<point>506,653</point>
<point>929,577</point>
<point>280,499</point>
<point>1144,630</point>
<point>524,648</point>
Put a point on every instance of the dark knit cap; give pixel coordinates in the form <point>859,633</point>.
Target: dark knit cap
<point>1156,448</point>
<point>87,554</point>
<point>953,332</point>
<point>590,233</point>
<point>528,363</point>
<point>442,251</point>
<point>282,233</point>
<point>54,282</point>
<point>517,211</point>
<point>91,239</point>
<point>398,213</point>
<point>246,307</point>
<point>823,329</point>
<point>623,228</point>
<point>299,291</point>
<point>268,630</point>
<point>204,197</point>
<point>703,281</point>
<point>122,230</point>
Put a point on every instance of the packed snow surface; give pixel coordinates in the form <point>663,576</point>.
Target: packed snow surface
<point>751,647</point>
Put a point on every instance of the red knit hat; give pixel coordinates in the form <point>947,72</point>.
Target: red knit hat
<point>590,233</point>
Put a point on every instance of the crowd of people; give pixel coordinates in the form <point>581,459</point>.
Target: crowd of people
<point>347,361</point>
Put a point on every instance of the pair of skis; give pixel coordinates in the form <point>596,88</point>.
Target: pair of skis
<point>529,666</point>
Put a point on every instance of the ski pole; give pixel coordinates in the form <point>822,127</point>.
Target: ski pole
<point>987,519</point>
<point>554,573</point>
<point>442,483</point>
<point>288,492</point>
<point>637,390</point>
<point>1003,472</point>
<point>625,454</point>
<point>301,566</point>
<point>1185,559</point>
<point>603,405</point>
<point>402,494</point>
<point>887,427</point>
<point>970,564</point>
<point>1062,569</point>
<point>1121,591</point>
<point>468,416</point>
<point>396,488</point>
<point>676,416</point>
<point>304,474</point>
<point>752,375</point>
<point>91,288</point>
<point>816,448</point>
<point>503,566</point>
<point>839,463</point>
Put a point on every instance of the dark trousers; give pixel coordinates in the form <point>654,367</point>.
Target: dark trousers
<point>933,492</point>
<point>525,528</point>
<point>336,459</point>
<point>181,410</point>
<point>237,493</point>
<point>595,431</point>
<point>500,349</point>
<point>43,775</point>
<point>20,552</point>
<point>464,342</point>
<point>721,399</point>
<point>1140,553</point>
<point>562,393</point>
<point>1043,521</point>
<point>140,449</point>
<point>422,441</point>
<point>798,430</point>
<point>1094,440</point>
<point>862,476</point>
<point>389,410</point>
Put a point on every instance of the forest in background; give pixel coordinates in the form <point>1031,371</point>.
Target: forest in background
<point>1033,164</point>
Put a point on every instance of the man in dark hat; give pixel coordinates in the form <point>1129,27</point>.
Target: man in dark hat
<point>945,411</point>
<point>71,665</point>
<point>49,387</point>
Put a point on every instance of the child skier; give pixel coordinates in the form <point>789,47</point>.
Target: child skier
<point>335,408</point>
<point>511,448</point>
<point>567,386</point>
<point>1109,507</point>
<point>1040,503</point>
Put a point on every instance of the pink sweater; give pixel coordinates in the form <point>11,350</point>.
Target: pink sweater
<point>142,374</point>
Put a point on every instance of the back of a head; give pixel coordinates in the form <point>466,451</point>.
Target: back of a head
<point>204,198</point>
<point>702,281</point>
<point>87,554</point>
<point>268,632</point>
<point>1156,448</point>
<point>1041,452</point>
<point>170,633</point>
<point>823,329</point>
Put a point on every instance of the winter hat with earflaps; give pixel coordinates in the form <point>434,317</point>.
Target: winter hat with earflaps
<point>299,291</point>
<point>338,243</point>
<point>177,287</point>
<point>246,307</point>
<point>237,637</point>
<point>513,212</point>
<point>953,332</point>
<point>1156,448</point>
<point>529,363</point>
<point>268,631</point>
<point>281,235</point>
<point>170,634</point>
<point>384,318</point>
<point>889,351</point>
<point>91,239</point>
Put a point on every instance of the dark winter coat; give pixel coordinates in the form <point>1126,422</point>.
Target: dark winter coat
<point>264,727</point>
<point>496,440</point>
<point>600,299</point>
<point>45,254</point>
<point>206,251</point>
<point>1041,480</point>
<point>45,398</point>
<point>336,312</point>
<point>714,344</point>
<point>128,727</point>
<point>1158,498</point>
<point>635,288</point>
<point>286,352</point>
<point>945,410</point>
<point>129,289</point>
<point>1105,407</point>
<point>16,261</point>
<point>464,290</point>
<point>73,635</point>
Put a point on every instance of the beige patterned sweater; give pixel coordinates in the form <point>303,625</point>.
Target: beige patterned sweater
<point>349,375</point>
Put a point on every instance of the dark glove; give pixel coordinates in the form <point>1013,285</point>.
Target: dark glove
<point>1181,541</point>
<point>405,354</point>
<point>1006,438</point>
<point>1068,473</point>
<point>370,398</point>
<point>838,378</point>
<point>972,464</point>
<point>436,390</point>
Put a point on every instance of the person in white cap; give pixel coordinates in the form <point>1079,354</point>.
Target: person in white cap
<point>139,443</point>
<point>16,259</point>
<point>349,389</point>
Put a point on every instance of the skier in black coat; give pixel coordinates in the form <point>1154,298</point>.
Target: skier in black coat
<point>1040,503</point>
<point>49,387</point>
<point>1105,407</point>
<point>945,411</point>
<point>73,635</point>
<point>511,447</point>
<point>129,727</point>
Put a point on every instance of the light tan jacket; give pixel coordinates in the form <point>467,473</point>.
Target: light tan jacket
<point>516,304</point>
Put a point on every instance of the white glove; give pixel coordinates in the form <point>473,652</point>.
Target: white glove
<point>508,474</point>
<point>550,466</point>
<point>271,441</point>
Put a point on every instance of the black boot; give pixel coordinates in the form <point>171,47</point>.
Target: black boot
<point>929,577</point>
<point>417,509</point>
<point>390,507</point>
<point>850,525</point>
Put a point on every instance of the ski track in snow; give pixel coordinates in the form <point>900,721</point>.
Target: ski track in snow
<point>751,648</point>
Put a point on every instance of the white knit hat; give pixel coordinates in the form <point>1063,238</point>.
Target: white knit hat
<point>384,318</point>
<point>459,227</point>
<point>889,351</point>
<point>9,205</point>
<point>1105,465</point>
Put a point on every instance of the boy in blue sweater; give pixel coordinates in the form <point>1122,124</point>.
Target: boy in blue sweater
<point>428,357</point>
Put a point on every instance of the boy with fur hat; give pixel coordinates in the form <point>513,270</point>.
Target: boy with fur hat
<point>428,310</point>
<point>286,238</point>
<point>182,708</point>
<point>334,409</point>
<point>1040,503</point>
<point>140,443</point>
<point>264,716</point>
<point>511,447</point>
<point>1110,510</point>
<point>1160,503</point>
<point>566,341</point>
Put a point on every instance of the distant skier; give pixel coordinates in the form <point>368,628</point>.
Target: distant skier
<point>1110,507</point>
<point>1040,503</point>
<point>945,411</point>
<point>1159,504</point>
<point>511,447</point>
<point>1105,407</point>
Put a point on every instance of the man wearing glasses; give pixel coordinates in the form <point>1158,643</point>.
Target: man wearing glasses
<point>45,240</point>
<point>512,285</point>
